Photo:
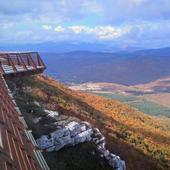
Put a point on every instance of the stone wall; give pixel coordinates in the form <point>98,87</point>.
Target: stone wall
<point>75,132</point>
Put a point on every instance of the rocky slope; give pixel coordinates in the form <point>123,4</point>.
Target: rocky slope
<point>137,138</point>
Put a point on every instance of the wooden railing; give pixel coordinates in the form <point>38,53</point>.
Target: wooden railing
<point>20,62</point>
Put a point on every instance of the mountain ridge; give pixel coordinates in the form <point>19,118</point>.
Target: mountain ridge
<point>122,68</point>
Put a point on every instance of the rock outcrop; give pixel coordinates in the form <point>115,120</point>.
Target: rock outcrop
<point>74,133</point>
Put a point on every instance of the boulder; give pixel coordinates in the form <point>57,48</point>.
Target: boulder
<point>44,142</point>
<point>52,113</point>
<point>74,133</point>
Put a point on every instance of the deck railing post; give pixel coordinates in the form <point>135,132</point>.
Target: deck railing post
<point>22,62</point>
<point>1,69</point>
<point>11,63</point>
<point>40,62</point>
<point>28,61</point>
<point>18,60</point>
<point>32,61</point>
<point>17,63</point>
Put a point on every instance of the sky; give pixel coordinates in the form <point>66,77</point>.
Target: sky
<point>142,23</point>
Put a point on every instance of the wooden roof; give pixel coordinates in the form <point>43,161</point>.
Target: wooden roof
<point>17,152</point>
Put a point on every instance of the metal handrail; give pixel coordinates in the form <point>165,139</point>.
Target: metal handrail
<point>25,60</point>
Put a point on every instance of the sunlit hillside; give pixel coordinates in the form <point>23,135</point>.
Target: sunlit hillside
<point>139,139</point>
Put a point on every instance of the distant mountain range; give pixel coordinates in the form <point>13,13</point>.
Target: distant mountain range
<point>60,47</point>
<point>128,68</point>
<point>72,62</point>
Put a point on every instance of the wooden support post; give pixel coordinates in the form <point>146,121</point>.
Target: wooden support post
<point>1,69</point>
<point>22,62</point>
<point>18,60</point>
<point>28,61</point>
<point>11,63</point>
<point>40,62</point>
<point>32,61</point>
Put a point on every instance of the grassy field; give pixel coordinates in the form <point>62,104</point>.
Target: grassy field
<point>141,104</point>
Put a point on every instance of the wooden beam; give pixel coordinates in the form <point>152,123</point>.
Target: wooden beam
<point>22,62</point>
<point>1,69</point>
<point>32,61</point>
<point>11,63</point>
<point>40,61</point>
<point>18,60</point>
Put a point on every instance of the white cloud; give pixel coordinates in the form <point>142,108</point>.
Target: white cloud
<point>78,29</point>
<point>101,32</point>
<point>109,32</point>
<point>59,29</point>
<point>92,20</point>
<point>47,27</point>
<point>136,33</point>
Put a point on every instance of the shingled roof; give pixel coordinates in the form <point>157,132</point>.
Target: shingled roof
<point>17,146</point>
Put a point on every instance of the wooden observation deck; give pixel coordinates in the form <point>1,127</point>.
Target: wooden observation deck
<point>19,64</point>
<point>18,149</point>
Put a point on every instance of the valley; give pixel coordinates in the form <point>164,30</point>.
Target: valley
<point>152,98</point>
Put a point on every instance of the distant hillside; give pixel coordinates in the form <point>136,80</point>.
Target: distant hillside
<point>142,141</point>
<point>152,98</point>
<point>157,86</point>
<point>127,68</point>
<point>161,85</point>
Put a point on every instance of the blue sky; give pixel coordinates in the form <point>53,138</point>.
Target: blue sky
<point>143,23</point>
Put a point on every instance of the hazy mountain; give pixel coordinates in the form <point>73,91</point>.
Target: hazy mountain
<point>124,67</point>
<point>57,47</point>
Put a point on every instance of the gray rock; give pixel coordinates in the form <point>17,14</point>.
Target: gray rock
<point>74,133</point>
